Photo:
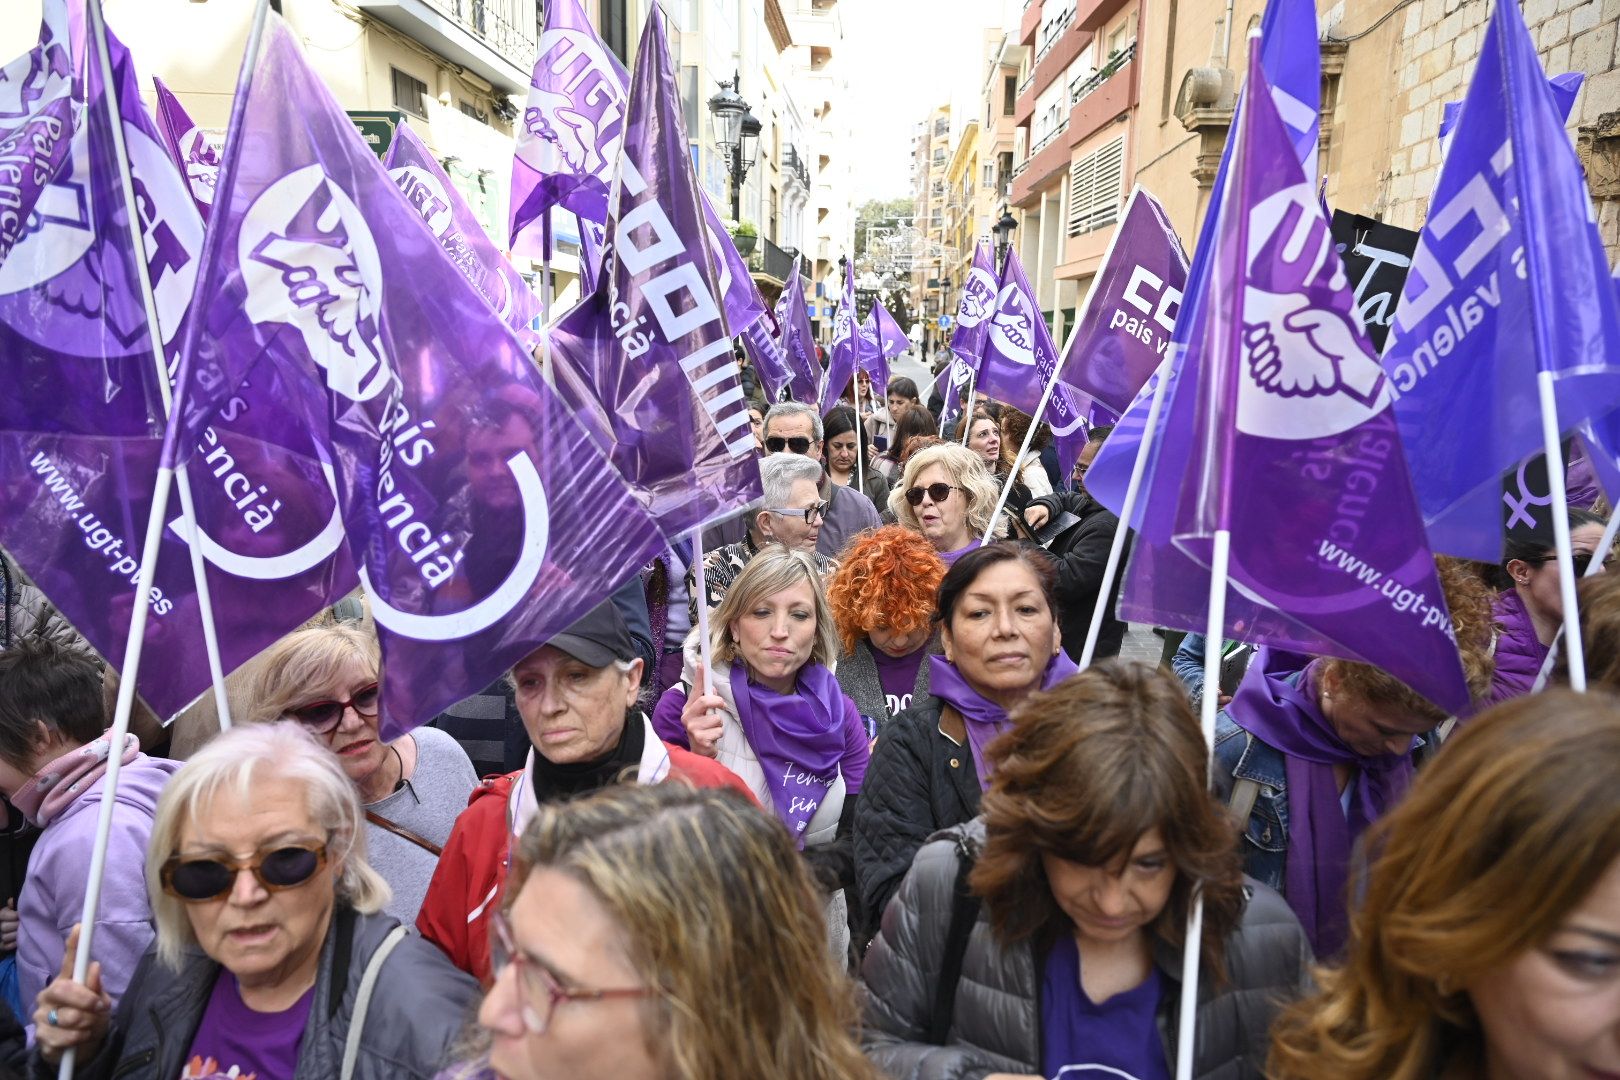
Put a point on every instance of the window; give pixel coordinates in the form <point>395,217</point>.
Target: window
<point>469,109</point>
<point>615,25</point>
<point>1095,183</point>
<point>1009,94</point>
<point>690,105</point>
<point>410,93</point>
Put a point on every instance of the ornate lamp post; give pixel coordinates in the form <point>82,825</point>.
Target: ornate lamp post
<point>736,135</point>
<point>1003,230</point>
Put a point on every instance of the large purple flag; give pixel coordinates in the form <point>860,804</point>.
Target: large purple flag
<point>647,359</point>
<point>1130,312</point>
<point>486,517</point>
<point>451,221</point>
<point>844,355</point>
<point>1509,281</point>
<point>978,303</point>
<point>798,339</point>
<point>1296,450</point>
<point>194,154</point>
<point>82,421</point>
<point>1020,359</point>
<point>36,128</point>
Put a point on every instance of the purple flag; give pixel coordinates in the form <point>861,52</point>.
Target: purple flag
<point>194,154</point>
<point>881,340</point>
<point>81,429</point>
<point>1020,359</point>
<point>1292,56</point>
<point>844,355</point>
<point>36,128</point>
<point>1565,89</point>
<point>769,359</point>
<point>647,360</point>
<point>1509,281</point>
<point>452,223</point>
<point>1131,309</point>
<point>486,517</point>
<point>1295,446</point>
<point>798,339</point>
<point>978,303</point>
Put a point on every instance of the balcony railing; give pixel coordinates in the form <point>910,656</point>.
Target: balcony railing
<point>768,259</point>
<point>1027,80</point>
<point>507,26</point>
<point>1047,139</point>
<point>1054,31</point>
<point>1079,89</point>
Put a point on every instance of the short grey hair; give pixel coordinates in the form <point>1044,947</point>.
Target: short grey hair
<point>240,760</point>
<point>796,408</point>
<point>779,472</point>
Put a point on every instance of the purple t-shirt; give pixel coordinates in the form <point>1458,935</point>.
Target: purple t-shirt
<point>1117,1040</point>
<point>898,674</point>
<point>236,1043</point>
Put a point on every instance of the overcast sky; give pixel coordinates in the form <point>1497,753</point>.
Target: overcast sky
<point>904,57</point>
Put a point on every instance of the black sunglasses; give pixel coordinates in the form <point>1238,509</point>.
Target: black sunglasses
<point>198,880</point>
<point>938,492</point>
<point>1581,560</point>
<point>799,444</point>
<point>322,716</point>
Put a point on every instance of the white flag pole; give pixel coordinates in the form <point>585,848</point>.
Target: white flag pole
<point>701,585</point>
<point>1574,648</point>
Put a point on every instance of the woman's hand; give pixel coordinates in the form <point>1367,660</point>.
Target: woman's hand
<point>8,926</point>
<point>1037,515</point>
<point>68,1015</point>
<point>702,717</point>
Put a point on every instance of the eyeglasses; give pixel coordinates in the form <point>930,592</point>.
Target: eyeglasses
<point>536,984</point>
<point>1581,561</point>
<point>322,716</point>
<point>937,492</point>
<point>811,514</point>
<point>198,880</point>
<point>799,444</point>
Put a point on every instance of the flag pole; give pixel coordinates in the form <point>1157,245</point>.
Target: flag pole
<point>1116,550</point>
<point>699,583</point>
<point>860,437</point>
<point>967,413</point>
<point>1574,648</point>
<point>545,265</point>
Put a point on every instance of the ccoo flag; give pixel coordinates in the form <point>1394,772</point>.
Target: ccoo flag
<point>798,339</point>
<point>1296,451</point>
<point>845,352</point>
<point>81,427</point>
<point>194,153</point>
<point>486,518</point>
<point>451,221</point>
<point>647,358</point>
<point>1509,281</point>
<point>36,127</point>
<point>1130,312</point>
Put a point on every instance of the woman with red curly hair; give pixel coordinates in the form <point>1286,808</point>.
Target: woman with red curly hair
<point>882,600</point>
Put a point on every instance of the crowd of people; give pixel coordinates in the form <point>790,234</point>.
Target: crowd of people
<point>877,824</point>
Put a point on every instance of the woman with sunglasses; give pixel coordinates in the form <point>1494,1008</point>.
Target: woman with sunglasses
<point>947,494</point>
<point>838,451</point>
<point>662,933</point>
<point>998,624</point>
<point>272,958</point>
<point>1529,609</point>
<point>325,678</point>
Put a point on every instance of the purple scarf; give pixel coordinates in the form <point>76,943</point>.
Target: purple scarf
<point>985,719</point>
<point>797,737</point>
<point>1277,704</point>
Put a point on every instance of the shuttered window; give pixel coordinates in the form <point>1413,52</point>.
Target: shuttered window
<point>1096,188</point>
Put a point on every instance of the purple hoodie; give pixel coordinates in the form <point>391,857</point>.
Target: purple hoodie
<point>59,870</point>
<point>1519,653</point>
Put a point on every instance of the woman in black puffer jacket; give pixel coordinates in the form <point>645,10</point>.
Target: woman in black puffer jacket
<point>1048,934</point>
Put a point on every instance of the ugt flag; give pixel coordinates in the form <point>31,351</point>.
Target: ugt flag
<point>845,352</point>
<point>81,426</point>
<point>36,126</point>
<point>647,358</point>
<point>798,339</point>
<point>485,516</point>
<point>1130,312</point>
<point>973,313</point>
<point>451,221</point>
<point>1295,447</point>
<point>1509,283</point>
<point>194,153</point>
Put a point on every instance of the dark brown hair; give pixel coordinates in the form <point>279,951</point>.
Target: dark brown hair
<point>1599,612</point>
<point>1086,769</point>
<point>961,576</point>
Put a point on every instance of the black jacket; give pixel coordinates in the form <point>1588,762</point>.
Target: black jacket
<point>996,1019</point>
<point>918,782</point>
<point>1082,555</point>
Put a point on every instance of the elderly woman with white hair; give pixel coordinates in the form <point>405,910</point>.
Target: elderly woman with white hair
<point>272,956</point>
<point>790,512</point>
<point>776,716</point>
<point>947,494</point>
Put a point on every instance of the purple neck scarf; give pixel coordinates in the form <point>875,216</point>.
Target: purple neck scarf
<point>985,719</point>
<point>797,738</point>
<point>1277,704</point>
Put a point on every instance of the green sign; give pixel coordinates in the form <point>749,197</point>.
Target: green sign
<point>377,128</point>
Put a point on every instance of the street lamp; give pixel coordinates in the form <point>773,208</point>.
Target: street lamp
<point>1003,230</point>
<point>736,135</point>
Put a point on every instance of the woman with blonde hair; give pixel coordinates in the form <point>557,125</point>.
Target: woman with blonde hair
<point>664,933</point>
<point>327,678</point>
<point>1046,937</point>
<point>1487,943</point>
<point>947,494</point>
<point>273,957</point>
<point>775,715</point>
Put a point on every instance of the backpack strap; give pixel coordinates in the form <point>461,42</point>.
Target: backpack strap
<point>362,999</point>
<point>964,913</point>
<point>1244,794</point>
